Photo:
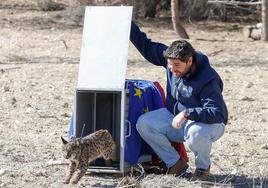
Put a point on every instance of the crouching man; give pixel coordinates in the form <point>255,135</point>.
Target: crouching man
<point>195,110</point>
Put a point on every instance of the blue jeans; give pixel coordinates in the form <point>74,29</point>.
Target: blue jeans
<point>156,129</point>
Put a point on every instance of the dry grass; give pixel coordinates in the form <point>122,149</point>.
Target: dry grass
<point>160,181</point>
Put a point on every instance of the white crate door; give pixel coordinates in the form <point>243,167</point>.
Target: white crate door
<point>104,50</point>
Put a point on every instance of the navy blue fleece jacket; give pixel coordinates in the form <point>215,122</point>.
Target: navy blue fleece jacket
<point>199,91</point>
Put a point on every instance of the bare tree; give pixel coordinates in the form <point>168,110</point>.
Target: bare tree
<point>265,20</point>
<point>179,8</point>
<point>177,25</point>
<point>150,8</point>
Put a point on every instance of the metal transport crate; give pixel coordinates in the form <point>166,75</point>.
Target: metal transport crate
<point>101,101</point>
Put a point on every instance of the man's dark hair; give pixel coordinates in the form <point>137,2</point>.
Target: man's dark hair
<point>180,49</point>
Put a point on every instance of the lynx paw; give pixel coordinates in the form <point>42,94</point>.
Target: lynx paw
<point>74,181</point>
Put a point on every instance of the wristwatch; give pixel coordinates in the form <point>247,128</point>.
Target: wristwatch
<point>186,113</point>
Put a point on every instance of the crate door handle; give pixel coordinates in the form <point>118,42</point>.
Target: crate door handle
<point>128,125</point>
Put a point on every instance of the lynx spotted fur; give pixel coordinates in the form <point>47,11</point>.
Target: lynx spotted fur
<point>82,151</point>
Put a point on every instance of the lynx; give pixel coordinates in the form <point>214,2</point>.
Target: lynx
<point>82,151</point>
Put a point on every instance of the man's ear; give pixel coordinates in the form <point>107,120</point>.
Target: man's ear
<point>63,140</point>
<point>190,60</point>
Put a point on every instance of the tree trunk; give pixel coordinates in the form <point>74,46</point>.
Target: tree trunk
<point>194,9</point>
<point>138,7</point>
<point>150,8</point>
<point>265,20</point>
<point>177,25</point>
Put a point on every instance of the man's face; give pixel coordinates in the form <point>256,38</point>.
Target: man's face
<point>178,67</point>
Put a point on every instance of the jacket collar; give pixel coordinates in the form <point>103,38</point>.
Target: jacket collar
<point>193,68</point>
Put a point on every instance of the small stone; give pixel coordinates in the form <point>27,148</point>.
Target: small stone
<point>6,89</point>
<point>28,110</point>
<point>3,172</point>
<point>53,133</point>
<point>65,105</point>
<point>264,146</point>
<point>57,97</point>
<point>245,98</point>
<point>17,122</point>
<point>259,25</point>
<point>38,131</point>
<point>256,34</point>
<point>65,115</point>
<point>234,172</point>
<point>248,85</point>
<point>262,120</point>
<point>13,101</point>
<point>233,154</point>
<point>241,161</point>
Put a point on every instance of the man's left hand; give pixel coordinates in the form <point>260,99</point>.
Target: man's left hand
<point>178,120</point>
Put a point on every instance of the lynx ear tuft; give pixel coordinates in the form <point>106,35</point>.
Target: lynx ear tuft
<point>76,141</point>
<point>63,140</point>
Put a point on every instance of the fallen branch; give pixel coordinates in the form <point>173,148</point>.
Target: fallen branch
<point>131,181</point>
<point>9,68</point>
<point>236,3</point>
<point>47,116</point>
<point>23,6</point>
<point>52,163</point>
<point>65,44</point>
<point>16,58</point>
<point>215,53</point>
<point>240,7</point>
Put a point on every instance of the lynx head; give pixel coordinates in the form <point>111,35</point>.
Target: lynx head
<point>71,149</point>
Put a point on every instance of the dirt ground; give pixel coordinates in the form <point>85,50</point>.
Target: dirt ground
<point>39,60</point>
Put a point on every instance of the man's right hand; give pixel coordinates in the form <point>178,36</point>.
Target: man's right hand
<point>178,120</point>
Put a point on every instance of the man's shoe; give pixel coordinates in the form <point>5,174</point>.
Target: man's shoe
<point>201,174</point>
<point>179,168</point>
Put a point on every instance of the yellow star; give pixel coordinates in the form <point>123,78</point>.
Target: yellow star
<point>146,110</point>
<point>138,92</point>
